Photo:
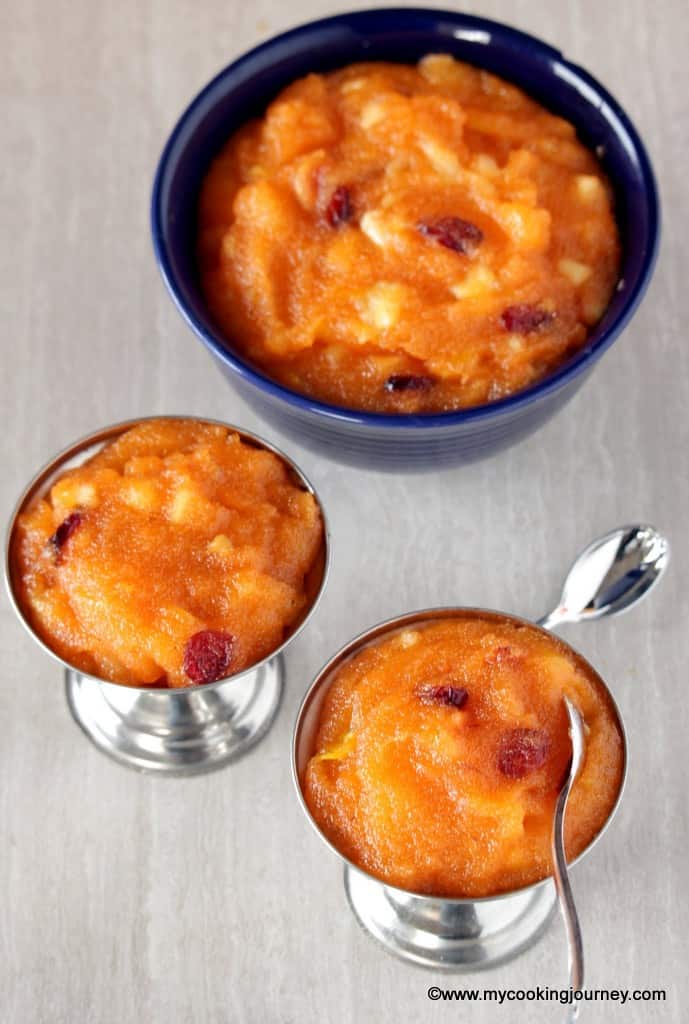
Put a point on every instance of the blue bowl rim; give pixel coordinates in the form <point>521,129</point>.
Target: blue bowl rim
<point>589,354</point>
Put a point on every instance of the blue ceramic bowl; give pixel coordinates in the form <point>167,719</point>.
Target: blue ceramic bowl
<point>244,89</point>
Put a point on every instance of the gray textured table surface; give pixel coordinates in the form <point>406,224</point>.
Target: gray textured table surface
<point>129,898</point>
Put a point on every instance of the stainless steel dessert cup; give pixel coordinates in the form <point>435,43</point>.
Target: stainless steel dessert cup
<point>455,934</point>
<point>169,731</point>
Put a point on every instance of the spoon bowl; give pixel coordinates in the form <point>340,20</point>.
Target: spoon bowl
<point>611,575</point>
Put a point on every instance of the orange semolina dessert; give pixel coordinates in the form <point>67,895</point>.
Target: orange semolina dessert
<point>407,239</point>
<point>179,554</point>
<point>441,748</point>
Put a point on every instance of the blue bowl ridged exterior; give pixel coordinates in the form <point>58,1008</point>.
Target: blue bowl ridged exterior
<point>244,88</point>
<point>370,446</point>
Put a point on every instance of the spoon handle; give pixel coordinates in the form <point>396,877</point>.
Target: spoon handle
<point>566,898</point>
<point>575,947</point>
<point>552,619</point>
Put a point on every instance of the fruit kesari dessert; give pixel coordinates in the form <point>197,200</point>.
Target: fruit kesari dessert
<point>441,748</point>
<point>179,554</point>
<point>407,239</point>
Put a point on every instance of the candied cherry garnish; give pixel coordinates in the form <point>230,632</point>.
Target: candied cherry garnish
<point>522,751</point>
<point>208,655</point>
<point>408,382</point>
<point>524,318</point>
<point>452,232</point>
<point>505,654</point>
<point>339,210</point>
<point>450,696</point>
<point>65,530</point>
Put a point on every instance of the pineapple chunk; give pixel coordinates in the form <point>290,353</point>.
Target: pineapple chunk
<point>334,354</point>
<point>443,160</point>
<point>353,85</point>
<point>372,114</point>
<point>373,227</point>
<point>559,669</point>
<point>305,178</point>
<point>485,164</point>
<point>574,270</point>
<point>589,187</point>
<point>141,495</point>
<point>592,309</point>
<point>435,67</point>
<point>339,750</point>
<point>384,304</point>
<point>442,69</point>
<point>221,545</point>
<point>183,506</point>
<point>478,281</point>
<point>408,638</point>
<point>191,508</point>
<point>73,493</point>
<point>528,227</point>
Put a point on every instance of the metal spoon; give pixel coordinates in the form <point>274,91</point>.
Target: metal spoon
<point>560,872</point>
<point>608,577</point>
<point>611,575</point>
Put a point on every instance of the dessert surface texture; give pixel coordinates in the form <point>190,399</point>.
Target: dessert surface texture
<point>406,239</point>
<point>442,746</point>
<point>179,554</point>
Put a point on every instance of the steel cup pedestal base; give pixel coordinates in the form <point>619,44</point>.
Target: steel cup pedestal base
<point>452,935</point>
<point>177,732</point>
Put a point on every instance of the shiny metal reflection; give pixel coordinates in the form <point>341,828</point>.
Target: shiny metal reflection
<point>174,732</point>
<point>445,934</point>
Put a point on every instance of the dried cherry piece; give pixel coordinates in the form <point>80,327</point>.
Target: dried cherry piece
<point>451,696</point>
<point>408,382</point>
<point>452,232</point>
<point>522,751</point>
<point>208,655</point>
<point>505,654</point>
<point>339,210</point>
<point>66,529</point>
<point>523,318</point>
